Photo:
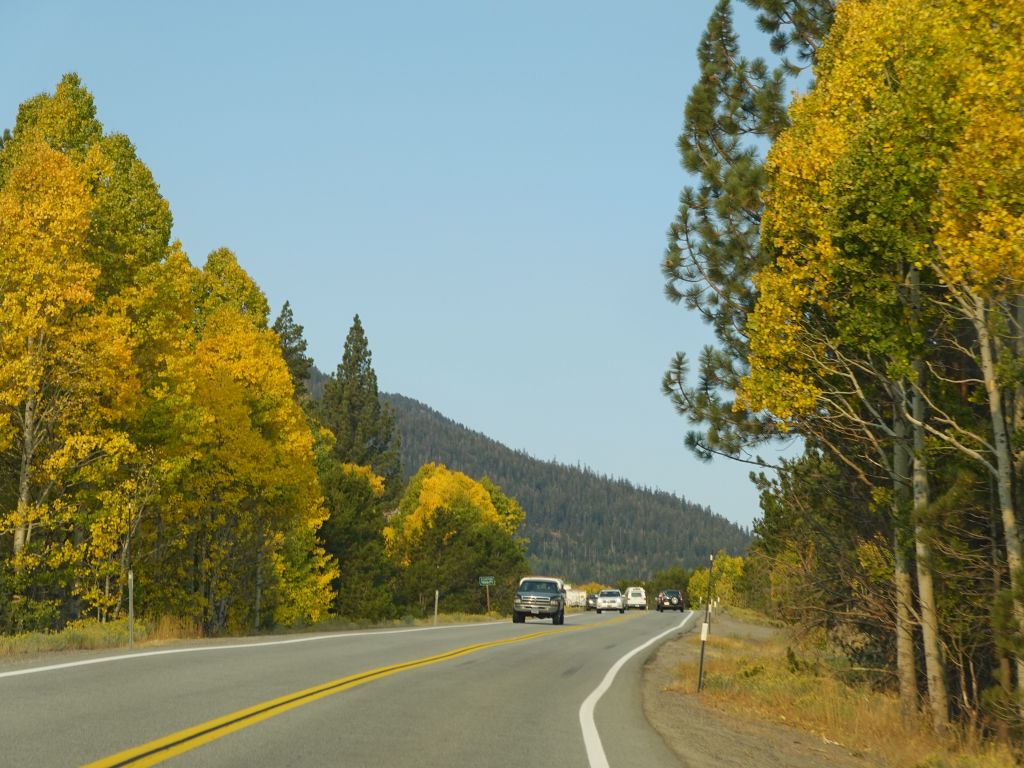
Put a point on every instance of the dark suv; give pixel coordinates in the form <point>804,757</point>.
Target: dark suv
<point>670,600</point>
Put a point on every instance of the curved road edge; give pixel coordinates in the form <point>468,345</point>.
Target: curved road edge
<point>591,738</point>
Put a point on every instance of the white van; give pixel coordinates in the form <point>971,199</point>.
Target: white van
<point>636,597</point>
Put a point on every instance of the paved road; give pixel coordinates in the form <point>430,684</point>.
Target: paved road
<point>476,695</point>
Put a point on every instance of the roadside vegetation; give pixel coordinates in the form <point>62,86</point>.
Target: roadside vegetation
<point>852,232</point>
<point>806,684</point>
<point>89,634</point>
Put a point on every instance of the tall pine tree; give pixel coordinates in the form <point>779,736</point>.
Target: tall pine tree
<point>713,247</point>
<point>293,348</point>
<point>363,426</point>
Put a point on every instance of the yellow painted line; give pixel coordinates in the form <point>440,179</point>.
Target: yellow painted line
<point>164,748</point>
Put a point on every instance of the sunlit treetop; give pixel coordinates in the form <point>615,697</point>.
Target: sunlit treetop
<point>853,190</point>
<point>130,223</point>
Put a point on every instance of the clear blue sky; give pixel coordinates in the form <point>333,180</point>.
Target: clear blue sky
<point>488,185</point>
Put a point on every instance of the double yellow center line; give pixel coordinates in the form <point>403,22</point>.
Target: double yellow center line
<point>175,744</point>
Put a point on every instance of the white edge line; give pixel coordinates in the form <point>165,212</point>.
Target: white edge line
<point>591,738</point>
<point>234,646</point>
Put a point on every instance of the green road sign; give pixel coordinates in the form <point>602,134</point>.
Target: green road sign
<point>486,581</point>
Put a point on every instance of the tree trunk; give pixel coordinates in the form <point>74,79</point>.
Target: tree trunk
<point>1004,467</point>
<point>938,699</point>
<point>906,665</point>
<point>21,520</point>
<point>1004,676</point>
<point>259,596</point>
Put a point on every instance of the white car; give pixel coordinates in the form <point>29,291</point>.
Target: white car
<point>610,600</point>
<point>636,597</point>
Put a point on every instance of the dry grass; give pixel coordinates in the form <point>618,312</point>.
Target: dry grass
<point>88,635</point>
<point>77,636</point>
<point>805,689</point>
<point>170,628</point>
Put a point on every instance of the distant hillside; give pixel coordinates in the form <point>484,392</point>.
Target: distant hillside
<point>580,525</point>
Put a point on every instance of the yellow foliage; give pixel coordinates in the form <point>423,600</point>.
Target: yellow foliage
<point>44,209</point>
<point>980,211</point>
<point>375,481</point>
<point>434,489</point>
<point>109,344</point>
<point>440,488</point>
<point>900,80</point>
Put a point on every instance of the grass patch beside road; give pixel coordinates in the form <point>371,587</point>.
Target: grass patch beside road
<point>777,680</point>
<point>89,634</point>
<point>77,636</point>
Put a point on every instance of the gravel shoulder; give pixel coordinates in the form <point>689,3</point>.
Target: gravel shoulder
<point>704,737</point>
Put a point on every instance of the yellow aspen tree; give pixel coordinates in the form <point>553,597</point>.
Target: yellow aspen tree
<point>262,506</point>
<point>62,380</point>
<point>847,220</point>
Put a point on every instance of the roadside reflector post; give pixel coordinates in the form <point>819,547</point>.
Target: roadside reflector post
<point>435,607</point>
<point>705,628</point>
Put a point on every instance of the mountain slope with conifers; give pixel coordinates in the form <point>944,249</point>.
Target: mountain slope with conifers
<point>579,524</point>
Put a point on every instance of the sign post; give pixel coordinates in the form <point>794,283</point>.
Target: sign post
<point>487,582</point>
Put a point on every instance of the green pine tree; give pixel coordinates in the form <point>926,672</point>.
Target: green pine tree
<point>293,348</point>
<point>713,250</point>
<point>353,535</point>
<point>363,426</point>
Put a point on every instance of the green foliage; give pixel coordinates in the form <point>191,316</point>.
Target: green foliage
<point>823,556</point>
<point>675,577</point>
<point>795,24</point>
<point>447,534</point>
<point>353,535</point>
<point>293,347</point>
<point>224,284</point>
<point>363,425</point>
<point>753,587</point>
<point>726,572</point>
<point>713,245</point>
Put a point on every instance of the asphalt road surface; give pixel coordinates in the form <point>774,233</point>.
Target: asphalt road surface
<point>473,695</point>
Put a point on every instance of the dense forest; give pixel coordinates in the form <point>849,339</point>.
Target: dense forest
<point>578,524</point>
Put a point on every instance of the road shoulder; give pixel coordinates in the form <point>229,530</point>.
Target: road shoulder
<point>703,737</point>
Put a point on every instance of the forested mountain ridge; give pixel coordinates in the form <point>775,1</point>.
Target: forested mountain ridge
<point>579,524</point>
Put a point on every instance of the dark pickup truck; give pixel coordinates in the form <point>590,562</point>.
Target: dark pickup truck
<point>539,596</point>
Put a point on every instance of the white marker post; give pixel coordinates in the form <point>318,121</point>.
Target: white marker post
<point>705,627</point>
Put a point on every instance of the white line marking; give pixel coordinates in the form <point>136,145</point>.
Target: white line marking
<point>235,646</point>
<point>591,738</point>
